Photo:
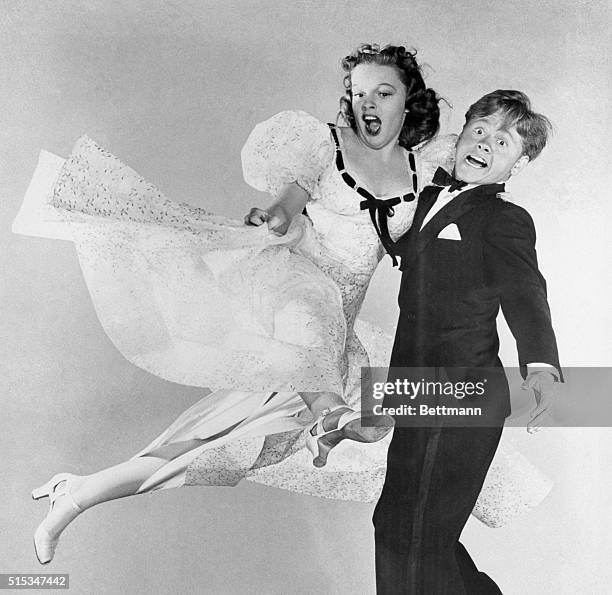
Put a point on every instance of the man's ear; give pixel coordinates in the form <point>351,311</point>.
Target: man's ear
<point>519,165</point>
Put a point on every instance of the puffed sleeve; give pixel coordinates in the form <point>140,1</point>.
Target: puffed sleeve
<point>292,146</point>
<point>438,152</point>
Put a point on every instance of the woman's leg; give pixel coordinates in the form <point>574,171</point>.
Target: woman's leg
<point>319,402</point>
<point>108,484</point>
<point>330,430</point>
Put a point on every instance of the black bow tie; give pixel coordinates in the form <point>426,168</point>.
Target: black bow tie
<point>443,178</point>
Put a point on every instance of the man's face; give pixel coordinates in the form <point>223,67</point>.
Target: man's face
<point>487,152</point>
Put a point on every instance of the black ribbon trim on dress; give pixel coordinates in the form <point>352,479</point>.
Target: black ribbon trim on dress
<point>380,209</point>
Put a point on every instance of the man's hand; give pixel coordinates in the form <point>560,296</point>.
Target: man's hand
<point>277,222</point>
<point>543,384</point>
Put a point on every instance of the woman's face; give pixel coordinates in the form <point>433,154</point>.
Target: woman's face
<point>378,100</point>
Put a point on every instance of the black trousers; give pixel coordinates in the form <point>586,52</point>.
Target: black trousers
<point>434,476</point>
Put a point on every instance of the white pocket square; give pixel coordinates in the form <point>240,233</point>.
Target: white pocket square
<point>450,232</point>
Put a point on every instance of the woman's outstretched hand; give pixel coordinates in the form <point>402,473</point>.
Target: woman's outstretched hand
<point>256,217</point>
<point>278,223</point>
<point>291,200</point>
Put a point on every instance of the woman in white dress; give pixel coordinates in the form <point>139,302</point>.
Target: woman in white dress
<point>264,315</point>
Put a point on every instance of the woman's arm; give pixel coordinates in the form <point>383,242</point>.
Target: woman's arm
<point>291,201</point>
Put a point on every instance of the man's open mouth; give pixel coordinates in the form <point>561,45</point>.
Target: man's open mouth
<point>372,124</point>
<point>476,162</point>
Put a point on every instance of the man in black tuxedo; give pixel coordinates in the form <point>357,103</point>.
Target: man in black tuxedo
<point>467,254</point>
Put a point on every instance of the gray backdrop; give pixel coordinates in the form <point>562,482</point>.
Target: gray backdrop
<point>174,88</point>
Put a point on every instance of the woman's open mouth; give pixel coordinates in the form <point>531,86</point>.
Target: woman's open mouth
<point>372,125</point>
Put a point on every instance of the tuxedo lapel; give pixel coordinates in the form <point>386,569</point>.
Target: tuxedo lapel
<point>456,208</point>
<point>427,199</point>
<point>407,243</point>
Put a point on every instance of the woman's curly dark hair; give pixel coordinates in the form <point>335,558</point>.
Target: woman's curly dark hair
<point>423,117</point>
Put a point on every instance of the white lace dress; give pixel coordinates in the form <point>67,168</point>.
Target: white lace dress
<point>203,300</point>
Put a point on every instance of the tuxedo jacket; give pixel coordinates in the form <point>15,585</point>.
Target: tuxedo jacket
<point>452,289</point>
